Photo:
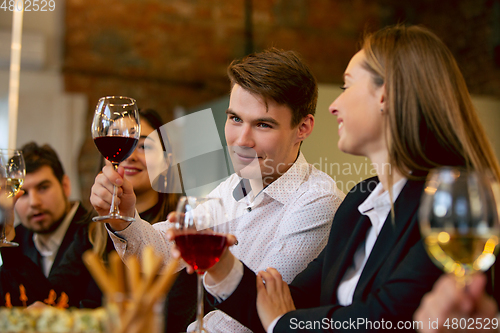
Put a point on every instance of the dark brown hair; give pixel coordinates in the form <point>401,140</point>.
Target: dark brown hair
<point>36,156</point>
<point>280,76</point>
<point>168,200</point>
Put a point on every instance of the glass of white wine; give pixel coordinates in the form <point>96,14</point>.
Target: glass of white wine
<point>13,171</point>
<point>459,221</point>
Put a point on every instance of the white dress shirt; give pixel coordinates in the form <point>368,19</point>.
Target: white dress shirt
<point>286,228</point>
<point>48,244</point>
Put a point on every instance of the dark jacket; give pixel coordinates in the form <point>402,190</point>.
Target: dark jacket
<point>22,265</point>
<point>396,276</point>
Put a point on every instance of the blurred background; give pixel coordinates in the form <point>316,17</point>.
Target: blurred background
<point>171,55</point>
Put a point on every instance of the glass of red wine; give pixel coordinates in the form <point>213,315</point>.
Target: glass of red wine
<point>116,131</point>
<point>201,238</point>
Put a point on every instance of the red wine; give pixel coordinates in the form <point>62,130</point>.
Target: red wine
<point>201,251</point>
<point>115,148</point>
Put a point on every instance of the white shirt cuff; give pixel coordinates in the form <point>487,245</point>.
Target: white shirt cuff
<point>222,290</point>
<point>270,328</point>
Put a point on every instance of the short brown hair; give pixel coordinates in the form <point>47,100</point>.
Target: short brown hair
<point>280,76</point>
<point>36,156</point>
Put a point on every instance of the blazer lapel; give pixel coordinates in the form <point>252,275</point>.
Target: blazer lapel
<point>404,208</point>
<point>348,231</point>
<point>25,238</point>
<point>73,228</point>
<point>337,272</point>
<point>32,253</point>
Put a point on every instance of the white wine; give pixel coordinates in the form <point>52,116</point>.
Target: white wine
<point>13,186</point>
<point>462,254</point>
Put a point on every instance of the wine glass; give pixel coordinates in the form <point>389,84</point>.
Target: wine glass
<point>459,221</point>
<point>13,171</point>
<point>201,238</point>
<point>116,131</point>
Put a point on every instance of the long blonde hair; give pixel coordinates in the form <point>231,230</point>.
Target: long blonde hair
<point>98,237</point>
<point>431,119</point>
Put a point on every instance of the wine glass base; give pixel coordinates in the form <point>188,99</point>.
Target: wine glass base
<point>107,218</point>
<point>8,244</point>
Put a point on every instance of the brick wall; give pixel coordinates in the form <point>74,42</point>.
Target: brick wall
<point>167,53</point>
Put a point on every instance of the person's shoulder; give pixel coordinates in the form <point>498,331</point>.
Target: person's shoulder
<point>22,231</point>
<point>320,183</point>
<point>368,184</point>
<point>319,174</point>
<point>24,237</point>
<point>355,197</point>
<point>82,216</point>
<point>230,181</point>
<point>361,190</point>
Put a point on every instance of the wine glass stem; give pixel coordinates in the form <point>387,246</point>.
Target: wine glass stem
<point>199,307</point>
<point>113,210</point>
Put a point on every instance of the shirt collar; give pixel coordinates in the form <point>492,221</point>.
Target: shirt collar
<point>281,189</point>
<point>48,244</point>
<point>379,202</point>
<point>381,198</point>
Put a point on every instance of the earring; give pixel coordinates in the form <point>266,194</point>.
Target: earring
<point>382,110</point>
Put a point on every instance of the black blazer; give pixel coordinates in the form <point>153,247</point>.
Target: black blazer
<point>21,265</point>
<point>25,238</point>
<point>396,276</point>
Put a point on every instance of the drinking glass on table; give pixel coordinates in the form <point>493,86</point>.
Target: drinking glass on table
<point>13,171</point>
<point>459,221</point>
<point>116,131</point>
<point>201,230</point>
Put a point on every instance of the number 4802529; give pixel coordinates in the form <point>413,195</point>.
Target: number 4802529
<point>28,5</point>
<point>471,323</point>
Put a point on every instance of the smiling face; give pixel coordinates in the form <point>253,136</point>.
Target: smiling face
<point>255,133</point>
<point>359,111</point>
<point>135,165</point>
<point>44,203</point>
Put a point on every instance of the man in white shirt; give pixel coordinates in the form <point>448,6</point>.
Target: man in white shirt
<point>49,221</point>
<point>284,211</point>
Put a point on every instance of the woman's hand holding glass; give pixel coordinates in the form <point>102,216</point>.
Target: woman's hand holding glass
<point>101,196</point>
<point>449,309</point>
